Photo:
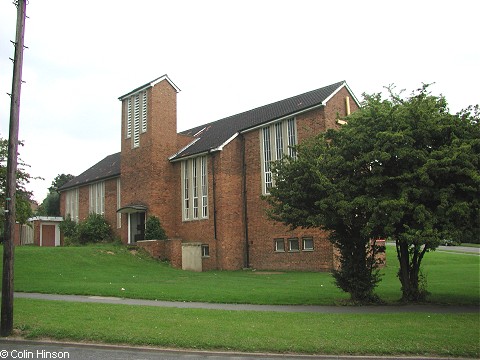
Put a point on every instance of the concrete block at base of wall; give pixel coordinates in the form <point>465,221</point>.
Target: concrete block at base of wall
<point>192,256</point>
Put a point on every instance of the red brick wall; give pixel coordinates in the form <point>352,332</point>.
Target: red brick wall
<point>111,205</point>
<point>336,107</point>
<point>229,207</point>
<point>170,249</point>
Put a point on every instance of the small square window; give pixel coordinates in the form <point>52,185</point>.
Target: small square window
<point>307,244</point>
<point>293,244</point>
<point>279,245</point>
<point>205,251</point>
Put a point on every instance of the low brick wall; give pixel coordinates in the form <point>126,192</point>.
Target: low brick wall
<point>170,249</point>
<point>173,251</point>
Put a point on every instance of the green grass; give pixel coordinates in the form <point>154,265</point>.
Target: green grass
<point>106,270</point>
<point>453,335</point>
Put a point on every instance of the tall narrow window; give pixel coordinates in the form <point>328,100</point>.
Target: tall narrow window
<point>292,137</point>
<point>195,187</point>
<point>186,191</point>
<point>277,140</point>
<point>267,158</point>
<point>97,198</point>
<point>119,204</point>
<point>144,111</point>
<point>71,204</point>
<point>203,167</point>
<point>128,125</point>
<point>136,121</point>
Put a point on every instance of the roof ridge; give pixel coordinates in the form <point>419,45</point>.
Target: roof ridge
<point>151,84</point>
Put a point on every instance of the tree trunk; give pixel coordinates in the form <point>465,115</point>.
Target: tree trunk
<point>358,274</point>
<point>410,258</point>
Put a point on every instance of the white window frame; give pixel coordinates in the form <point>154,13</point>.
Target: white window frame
<point>195,188</point>
<point>194,180</point>
<point>185,190</point>
<point>292,137</point>
<point>205,251</point>
<point>119,203</point>
<point>276,243</point>
<point>204,185</point>
<point>304,240</point>
<point>71,204</point>
<point>266,160</point>
<point>291,241</point>
<point>97,198</point>
<point>276,140</point>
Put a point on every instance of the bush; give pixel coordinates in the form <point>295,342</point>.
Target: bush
<point>68,227</point>
<point>94,229</point>
<point>154,230</point>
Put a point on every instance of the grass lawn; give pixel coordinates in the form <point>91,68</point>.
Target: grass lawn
<point>453,335</point>
<point>114,271</point>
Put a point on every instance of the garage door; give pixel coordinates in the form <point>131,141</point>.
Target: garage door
<point>48,235</point>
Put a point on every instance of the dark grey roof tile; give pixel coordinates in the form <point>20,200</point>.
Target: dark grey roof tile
<point>104,169</point>
<point>214,134</point>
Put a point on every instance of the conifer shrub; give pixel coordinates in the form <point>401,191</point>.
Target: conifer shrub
<point>154,230</point>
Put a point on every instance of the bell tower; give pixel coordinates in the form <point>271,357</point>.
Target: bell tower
<point>148,138</point>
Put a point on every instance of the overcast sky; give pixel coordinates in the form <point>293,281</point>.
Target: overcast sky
<point>225,56</point>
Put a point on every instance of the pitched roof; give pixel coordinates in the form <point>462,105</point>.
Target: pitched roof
<point>214,135</point>
<point>104,169</point>
<point>151,84</point>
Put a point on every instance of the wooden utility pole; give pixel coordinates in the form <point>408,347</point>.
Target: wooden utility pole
<point>6,324</point>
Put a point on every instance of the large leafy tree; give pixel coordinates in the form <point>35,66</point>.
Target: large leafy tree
<point>51,204</point>
<point>23,196</point>
<point>401,168</point>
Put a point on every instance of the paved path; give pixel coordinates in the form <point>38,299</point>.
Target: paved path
<point>248,307</point>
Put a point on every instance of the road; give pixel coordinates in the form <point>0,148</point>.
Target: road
<point>21,349</point>
<point>452,249</point>
<point>460,249</point>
